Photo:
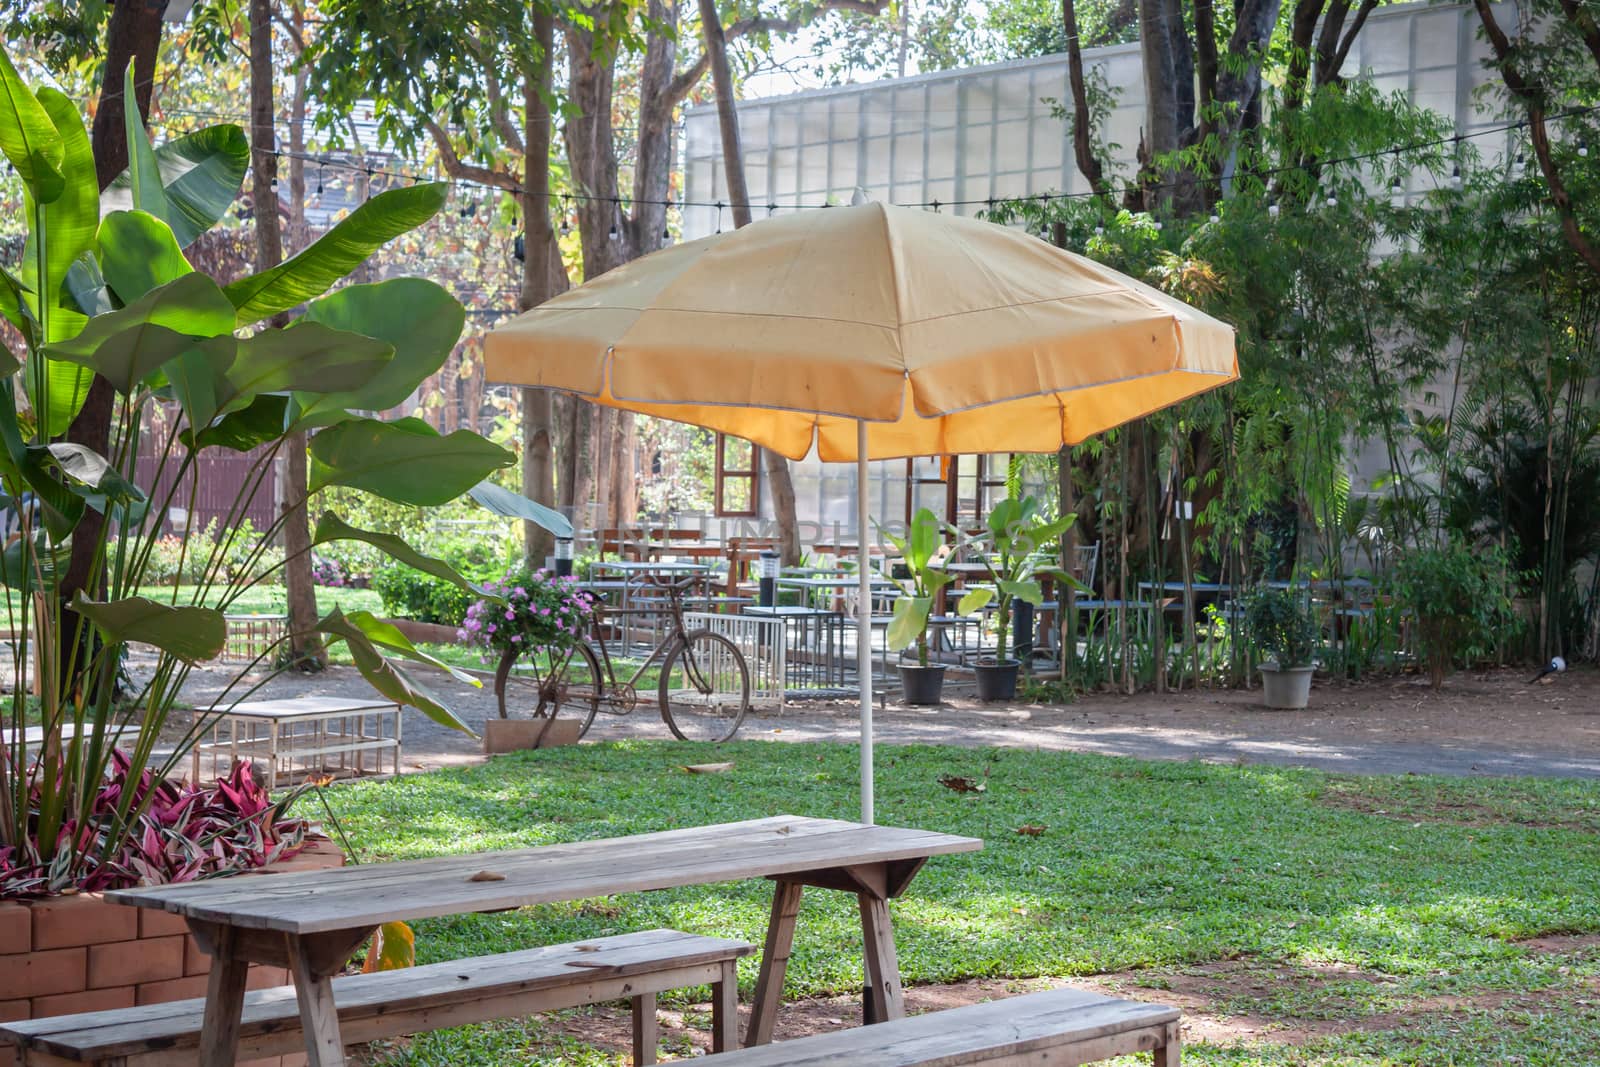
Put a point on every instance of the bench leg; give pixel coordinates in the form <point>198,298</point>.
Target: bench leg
<point>219,1040</point>
<point>774,962</point>
<point>646,1034</point>
<point>725,1010</point>
<point>884,998</point>
<point>319,1019</point>
<point>1166,1055</point>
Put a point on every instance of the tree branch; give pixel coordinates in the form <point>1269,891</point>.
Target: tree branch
<point>1082,118</point>
<point>1539,134</point>
<point>497,104</point>
<point>472,172</point>
<point>1585,24</point>
<point>682,85</point>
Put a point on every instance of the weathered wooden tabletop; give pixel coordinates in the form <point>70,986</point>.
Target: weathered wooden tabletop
<point>352,897</point>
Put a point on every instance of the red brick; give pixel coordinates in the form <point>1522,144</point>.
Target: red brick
<point>62,970</point>
<point>88,1000</point>
<point>86,919</point>
<point>13,1011</point>
<point>195,961</point>
<point>149,959</point>
<point>16,929</point>
<point>266,977</point>
<point>153,922</point>
<point>172,989</point>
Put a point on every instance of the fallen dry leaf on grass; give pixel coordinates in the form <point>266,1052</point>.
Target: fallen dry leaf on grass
<point>962,785</point>
<point>708,768</point>
<point>1029,829</point>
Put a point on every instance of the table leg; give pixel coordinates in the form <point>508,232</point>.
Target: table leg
<point>219,1042</point>
<point>884,1000</point>
<point>319,1019</point>
<point>774,962</point>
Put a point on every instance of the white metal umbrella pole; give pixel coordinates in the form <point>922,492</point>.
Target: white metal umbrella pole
<point>864,620</point>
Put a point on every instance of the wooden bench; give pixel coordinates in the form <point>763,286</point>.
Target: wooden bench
<point>432,997</point>
<point>1056,1028</point>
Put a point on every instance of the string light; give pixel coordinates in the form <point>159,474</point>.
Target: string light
<point>1272,209</point>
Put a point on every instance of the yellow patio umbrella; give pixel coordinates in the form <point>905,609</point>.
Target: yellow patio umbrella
<point>871,332</point>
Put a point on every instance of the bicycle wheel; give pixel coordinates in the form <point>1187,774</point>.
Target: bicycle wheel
<point>704,688</point>
<point>570,683</point>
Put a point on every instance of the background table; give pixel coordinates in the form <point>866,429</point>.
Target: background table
<point>287,737</point>
<point>311,922</point>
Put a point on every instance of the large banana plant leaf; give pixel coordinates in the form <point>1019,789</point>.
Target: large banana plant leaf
<point>138,253</point>
<point>144,173</point>
<point>307,356</point>
<point>28,138</point>
<point>259,422</point>
<point>128,345</point>
<point>504,502</point>
<point>337,252</point>
<point>70,218</point>
<point>191,634</point>
<point>33,466</point>
<point>910,618</point>
<point>202,173</point>
<point>362,634</point>
<point>420,319</point>
<point>331,528</point>
<point>406,461</point>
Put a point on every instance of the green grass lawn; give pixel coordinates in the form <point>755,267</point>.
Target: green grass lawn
<point>1415,890</point>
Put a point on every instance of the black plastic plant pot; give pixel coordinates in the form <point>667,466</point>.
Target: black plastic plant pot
<point>922,685</point>
<point>997,681</point>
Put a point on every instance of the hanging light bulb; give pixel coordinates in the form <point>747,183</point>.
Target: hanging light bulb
<point>1333,201</point>
<point>1099,231</point>
<point>1583,148</point>
<point>1455,175</point>
<point>319,181</point>
<point>666,234</point>
<point>1158,224</point>
<point>566,226</point>
<point>1522,162</point>
<point>1272,209</point>
<point>1215,218</point>
<point>612,233</point>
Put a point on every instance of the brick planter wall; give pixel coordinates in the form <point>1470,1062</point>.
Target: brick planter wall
<point>71,954</point>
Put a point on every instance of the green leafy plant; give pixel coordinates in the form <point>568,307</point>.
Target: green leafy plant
<point>920,555</point>
<point>104,293</point>
<point>1016,533</point>
<point>1458,595</point>
<point>1282,627</point>
<point>410,594</point>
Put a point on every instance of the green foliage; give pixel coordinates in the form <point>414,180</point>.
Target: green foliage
<point>922,554</point>
<point>411,594</point>
<point>1012,547</point>
<point>1460,596</point>
<point>1282,626</point>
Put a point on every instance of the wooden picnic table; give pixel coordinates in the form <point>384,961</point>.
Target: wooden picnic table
<point>311,922</point>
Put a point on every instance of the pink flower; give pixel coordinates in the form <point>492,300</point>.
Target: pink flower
<point>510,614</point>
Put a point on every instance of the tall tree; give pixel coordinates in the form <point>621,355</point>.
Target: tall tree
<point>779,484</point>
<point>304,644</point>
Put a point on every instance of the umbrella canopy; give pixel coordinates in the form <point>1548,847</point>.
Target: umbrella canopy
<point>947,335</point>
<point>871,332</point>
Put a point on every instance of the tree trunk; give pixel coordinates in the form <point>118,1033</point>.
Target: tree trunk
<point>304,645</point>
<point>538,470</point>
<point>779,483</point>
<point>132,36</point>
<point>1082,118</point>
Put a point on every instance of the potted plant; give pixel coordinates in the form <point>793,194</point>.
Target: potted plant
<point>1014,533</point>
<point>537,618</point>
<point>921,557</point>
<point>1284,632</point>
<point>117,326</point>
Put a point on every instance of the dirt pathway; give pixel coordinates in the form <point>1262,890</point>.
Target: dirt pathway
<point>1494,724</point>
